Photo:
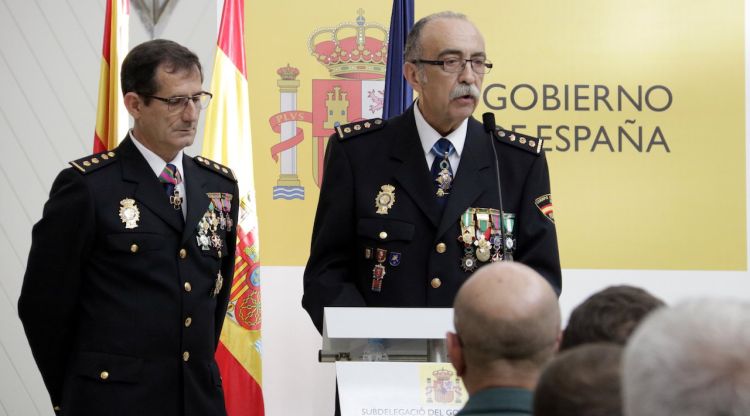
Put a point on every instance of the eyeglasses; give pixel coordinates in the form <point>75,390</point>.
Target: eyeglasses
<point>455,65</point>
<point>200,101</point>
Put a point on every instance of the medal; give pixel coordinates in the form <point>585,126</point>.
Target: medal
<point>217,285</point>
<point>483,249</point>
<point>368,253</point>
<point>385,199</point>
<point>378,272</point>
<point>216,241</point>
<point>175,199</point>
<point>394,259</point>
<point>469,263</point>
<point>380,255</point>
<point>129,213</point>
<point>444,178</point>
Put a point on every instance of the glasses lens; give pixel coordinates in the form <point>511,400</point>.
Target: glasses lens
<point>480,66</point>
<point>203,100</point>
<point>452,65</point>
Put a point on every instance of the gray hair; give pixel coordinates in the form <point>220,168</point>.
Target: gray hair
<point>690,360</point>
<point>413,46</point>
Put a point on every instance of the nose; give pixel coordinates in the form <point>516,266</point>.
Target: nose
<point>467,74</point>
<point>191,111</point>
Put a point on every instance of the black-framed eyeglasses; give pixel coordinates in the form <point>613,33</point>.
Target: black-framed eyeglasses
<point>179,103</point>
<point>455,65</point>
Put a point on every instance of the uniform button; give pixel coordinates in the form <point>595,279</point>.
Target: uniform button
<point>383,235</point>
<point>185,356</point>
<point>183,253</point>
<point>435,283</point>
<point>188,321</point>
<point>134,248</point>
<point>188,287</point>
<point>440,248</point>
<point>104,375</point>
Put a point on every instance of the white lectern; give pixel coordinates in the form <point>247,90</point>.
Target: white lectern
<point>409,374</point>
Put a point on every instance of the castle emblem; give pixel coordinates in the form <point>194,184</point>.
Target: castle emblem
<point>355,54</point>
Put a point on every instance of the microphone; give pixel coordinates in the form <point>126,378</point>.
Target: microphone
<point>488,120</point>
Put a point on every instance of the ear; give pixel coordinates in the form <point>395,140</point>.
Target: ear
<point>455,353</point>
<point>133,104</point>
<point>411,73</point>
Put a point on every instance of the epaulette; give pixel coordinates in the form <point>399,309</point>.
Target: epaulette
<point>215,167</point>
<point>518,140</point>
<point>93,162</point>
<point>347,131</point>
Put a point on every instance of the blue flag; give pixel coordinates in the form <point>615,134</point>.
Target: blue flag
<point>398,94</point>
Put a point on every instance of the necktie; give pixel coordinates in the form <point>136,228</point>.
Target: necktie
<point>442,173</point>
<point>170,177</point>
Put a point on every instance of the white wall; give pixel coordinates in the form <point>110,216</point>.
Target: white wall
<point>49,67</point>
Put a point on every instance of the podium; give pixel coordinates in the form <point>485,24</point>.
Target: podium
<point>392,361</point>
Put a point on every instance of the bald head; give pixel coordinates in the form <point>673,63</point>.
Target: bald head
<point>507,312</point>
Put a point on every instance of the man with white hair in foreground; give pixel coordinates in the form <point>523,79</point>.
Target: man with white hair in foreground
<point>507,321</point>
<point>692,359</point>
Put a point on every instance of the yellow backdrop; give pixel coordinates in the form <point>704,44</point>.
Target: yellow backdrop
<point>642,103</point>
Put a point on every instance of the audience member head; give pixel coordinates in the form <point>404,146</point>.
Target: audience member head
<point>609,315</point>
<point>507,321</point>
<point>690,360</point>
<point>582,381</point>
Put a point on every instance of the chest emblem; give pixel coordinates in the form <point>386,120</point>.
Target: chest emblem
<point>129,213</point>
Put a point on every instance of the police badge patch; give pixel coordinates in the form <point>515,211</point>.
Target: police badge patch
<point>544,203</point>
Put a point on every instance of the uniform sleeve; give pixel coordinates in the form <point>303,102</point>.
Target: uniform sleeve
<point>537,238</point>
<point>330,268</point>
<point>60,244</point>
<point>227,267</point>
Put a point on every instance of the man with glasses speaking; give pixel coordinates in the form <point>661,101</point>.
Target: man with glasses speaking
<point>130,267</point>
<point>410,207</point>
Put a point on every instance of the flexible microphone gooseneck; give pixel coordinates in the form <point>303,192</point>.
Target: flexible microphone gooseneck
<point>488,120</point>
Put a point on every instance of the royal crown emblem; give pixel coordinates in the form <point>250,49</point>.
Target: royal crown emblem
<point>352,50</point>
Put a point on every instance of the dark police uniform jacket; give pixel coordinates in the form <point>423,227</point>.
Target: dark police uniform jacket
<point>124,321</point>
<point>428,265</point>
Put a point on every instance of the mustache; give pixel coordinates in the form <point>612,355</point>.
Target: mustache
<point>461,90</point>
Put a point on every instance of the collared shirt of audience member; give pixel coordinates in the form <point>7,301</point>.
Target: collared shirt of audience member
<point>507,322</point>
<point>609,315</point>
<point>383,235</point>
<point>128,278</point>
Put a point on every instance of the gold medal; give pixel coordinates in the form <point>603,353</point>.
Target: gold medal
<point>129,213</point>
<point>385,199</point>
<point>217,285</point>
<point>483,251</point>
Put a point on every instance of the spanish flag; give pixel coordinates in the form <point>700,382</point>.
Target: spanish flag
<point>111,116</point>
<point>227,140</point>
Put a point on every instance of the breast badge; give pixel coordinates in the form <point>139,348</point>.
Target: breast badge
<point>385,199</point>
<point>129,213</point>
<point>217,217</point>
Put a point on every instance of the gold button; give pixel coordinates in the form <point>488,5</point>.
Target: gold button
<point>188,321</point>
<point>188,287</point>
<point>104,375</point>
<point>440,248</point>
<point>183,253</point>
<point>185,356</point>
<point>383,235</point>
<point>219,253</point>
<point>111,154</point>
<point>56,408</point>
<point>86,163</point>
<point>94,160</point>
<point>134,248</point>
<point>435,283</point>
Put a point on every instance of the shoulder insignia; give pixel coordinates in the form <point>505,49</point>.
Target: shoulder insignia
<point>347,131</point>
<point>215,167</point>
<point>518,140</point>
<point>93,162</point>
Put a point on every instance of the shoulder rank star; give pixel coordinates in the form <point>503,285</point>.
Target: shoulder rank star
<point>385,199</point>
<point>129,213</point>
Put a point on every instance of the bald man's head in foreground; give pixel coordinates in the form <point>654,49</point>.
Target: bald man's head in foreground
<point>507,321</point>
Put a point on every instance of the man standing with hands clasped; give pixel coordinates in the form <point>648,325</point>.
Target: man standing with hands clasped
<point>130,266</point>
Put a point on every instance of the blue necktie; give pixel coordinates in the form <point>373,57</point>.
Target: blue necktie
<point>442,173</point>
